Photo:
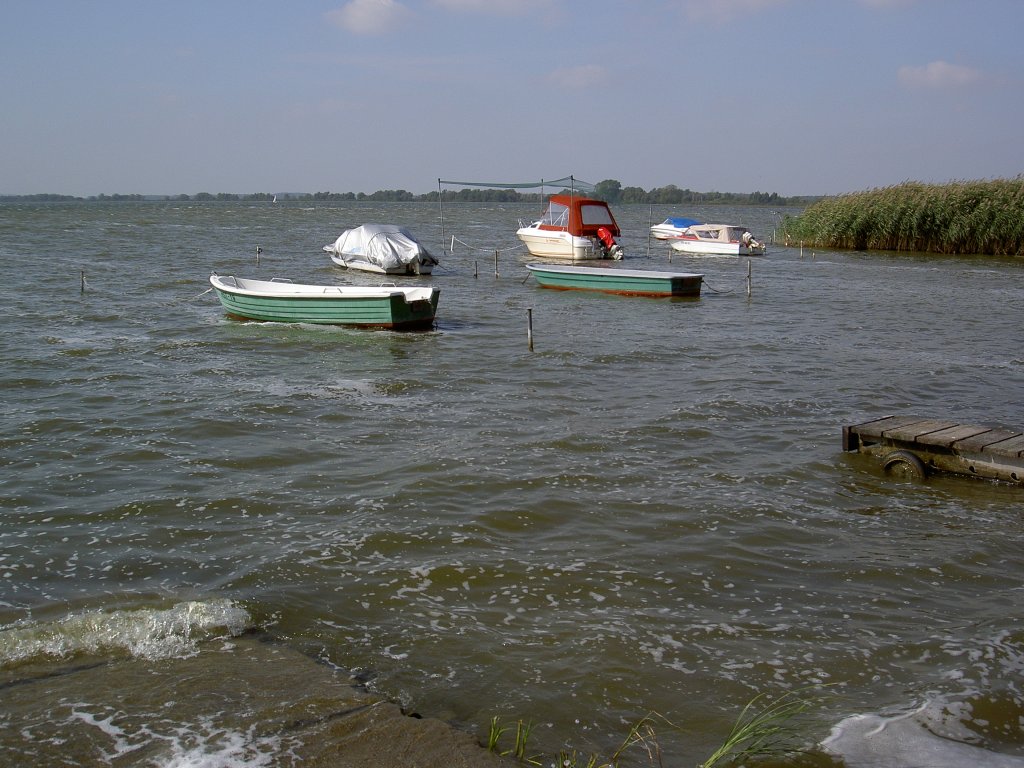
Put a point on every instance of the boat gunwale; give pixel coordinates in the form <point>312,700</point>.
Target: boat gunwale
<point>309,291</point>
<point>566,269</point>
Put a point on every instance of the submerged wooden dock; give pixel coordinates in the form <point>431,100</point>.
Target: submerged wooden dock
<point>913,446</point>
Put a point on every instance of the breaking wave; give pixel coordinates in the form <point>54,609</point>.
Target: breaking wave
<point>145,633</point>
<point>943,733</point>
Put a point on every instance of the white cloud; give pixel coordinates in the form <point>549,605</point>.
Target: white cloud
<point>583,76</point>
<point>938,74</point>
<point>369,17</point>
<point>722,11</point>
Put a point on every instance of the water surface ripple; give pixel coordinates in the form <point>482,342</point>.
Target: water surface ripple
<point>650,511</point>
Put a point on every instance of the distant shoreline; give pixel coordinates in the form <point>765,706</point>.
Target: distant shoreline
<point>670,195</point>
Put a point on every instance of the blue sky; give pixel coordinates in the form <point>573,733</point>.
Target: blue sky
<point>790,96</point>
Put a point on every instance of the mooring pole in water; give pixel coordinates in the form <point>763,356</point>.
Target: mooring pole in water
<point>476,268</point>
<point>83,281</point>
<point>452,249</point>
<point>529,327</point>
<point>258,252</point>
<point>748,278</point>
<point>495,263</point>
<point>650,223</point>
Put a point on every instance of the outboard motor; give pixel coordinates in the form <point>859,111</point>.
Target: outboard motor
<point>613,249</point>
<point>751,243</point>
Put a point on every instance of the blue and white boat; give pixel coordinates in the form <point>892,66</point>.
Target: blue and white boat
<point>673,226</point>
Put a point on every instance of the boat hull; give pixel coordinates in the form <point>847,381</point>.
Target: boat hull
<point>672,227</point>
<point>626,282</point>
<point>549,244</point>
<point>664,233</point>
<point>711,248</point>
<point>368,307</point>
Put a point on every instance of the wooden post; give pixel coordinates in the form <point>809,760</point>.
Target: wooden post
<point>83,281</point>
<point>495,263</point>
<point>529,327</point>
<point>258,252</point>
<point>476,268</point>
<point>650,223</point>
<point>748,278</point>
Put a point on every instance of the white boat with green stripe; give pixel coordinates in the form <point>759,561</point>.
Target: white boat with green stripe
<point>281,301</point>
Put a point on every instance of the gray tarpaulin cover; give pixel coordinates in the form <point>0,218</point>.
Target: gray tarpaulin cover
<point>383,245</point>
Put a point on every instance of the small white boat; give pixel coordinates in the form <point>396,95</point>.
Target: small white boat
<point>381,248</point>
<point>716,240</point>
<point>573,228</point>
<point>672,227</point>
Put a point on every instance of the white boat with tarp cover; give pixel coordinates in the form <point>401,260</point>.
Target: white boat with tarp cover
<point>382,248</point>
<point>573,227</point>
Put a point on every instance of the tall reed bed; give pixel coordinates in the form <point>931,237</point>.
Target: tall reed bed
<point>984,217</point>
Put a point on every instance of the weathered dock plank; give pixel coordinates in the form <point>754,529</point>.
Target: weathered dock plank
<point>983,441</point>
<point>915,446</point>
<point>878,427</point>
<point>1013,447</point>
<point>956,433</point>
<point>917,431</point>
<point>874,429</point>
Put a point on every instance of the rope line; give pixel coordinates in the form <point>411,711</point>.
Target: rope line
<point>715,290</point>
<point>488,250</point>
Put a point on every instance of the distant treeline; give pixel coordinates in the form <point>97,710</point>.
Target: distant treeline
<point>609,190</point>
<point>983,217</point>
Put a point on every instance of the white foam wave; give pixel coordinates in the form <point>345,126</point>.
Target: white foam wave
<point>903,741</point>
<point>224,749</point>
<point>144,633</point>
<point>196,745</point>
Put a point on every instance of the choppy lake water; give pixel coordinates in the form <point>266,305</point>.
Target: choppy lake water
<point>649,511</point>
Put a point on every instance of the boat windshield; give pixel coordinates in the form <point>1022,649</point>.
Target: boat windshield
<point>708,233</point>
<point>557,215</point>
<point>595,214</point>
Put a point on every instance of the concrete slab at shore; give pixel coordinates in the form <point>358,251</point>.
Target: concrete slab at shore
<point>247,699</point>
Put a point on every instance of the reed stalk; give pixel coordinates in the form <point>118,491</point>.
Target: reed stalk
<point>765,728</point>
<point>762,730</point>
<point>966,217</point>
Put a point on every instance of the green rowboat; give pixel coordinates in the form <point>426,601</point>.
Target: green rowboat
<point>628,282</point>
<point>282,301</point>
